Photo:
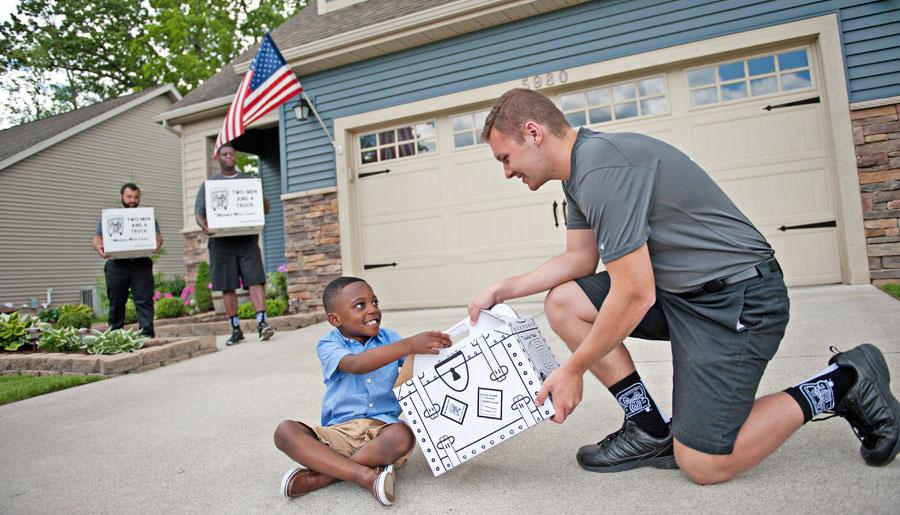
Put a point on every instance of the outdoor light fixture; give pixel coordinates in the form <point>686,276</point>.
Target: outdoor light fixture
<point>301,110</point>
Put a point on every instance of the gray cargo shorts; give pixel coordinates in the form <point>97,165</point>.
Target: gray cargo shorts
<point>721,345</point>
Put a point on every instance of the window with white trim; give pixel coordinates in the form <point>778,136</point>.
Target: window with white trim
<point>645,97</point>
<point>467,128</point>
<point>750,77</point>
<point>398,142</point>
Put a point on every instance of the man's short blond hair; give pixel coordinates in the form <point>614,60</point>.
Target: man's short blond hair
<point>519,105</point>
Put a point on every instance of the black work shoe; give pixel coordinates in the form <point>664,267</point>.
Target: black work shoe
<point>628,448</point>
<point>265,331</point>
<point>870,408</point>
<point>236,336</point>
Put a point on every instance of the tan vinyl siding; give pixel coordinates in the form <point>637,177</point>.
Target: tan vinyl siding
<point>51,201</point>
<point>195,151</point>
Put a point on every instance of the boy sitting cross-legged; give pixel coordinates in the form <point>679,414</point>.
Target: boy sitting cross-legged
<point>361,438</point>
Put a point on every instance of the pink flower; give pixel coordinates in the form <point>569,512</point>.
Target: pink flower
<point>187,302</point>
<point>209,286</point>
<point>157,295</point>
<point>168,295</point>
<point>282,268</point>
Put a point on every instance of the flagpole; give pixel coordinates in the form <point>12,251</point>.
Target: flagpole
<point>337,148</point>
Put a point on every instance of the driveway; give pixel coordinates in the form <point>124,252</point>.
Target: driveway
<point>196,437</point>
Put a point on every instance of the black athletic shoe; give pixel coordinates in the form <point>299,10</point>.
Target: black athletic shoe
<point>628,448</point>
<point>236,336</point>
<point>265,331</point>
<point>870,408</point>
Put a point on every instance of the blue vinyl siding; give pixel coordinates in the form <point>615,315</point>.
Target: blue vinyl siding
<point>273,231</point>
<point>575,36</point>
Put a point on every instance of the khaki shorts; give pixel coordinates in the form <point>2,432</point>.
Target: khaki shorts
<point>349,437</point>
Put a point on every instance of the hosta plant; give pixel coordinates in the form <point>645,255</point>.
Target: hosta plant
<point>113,341</point>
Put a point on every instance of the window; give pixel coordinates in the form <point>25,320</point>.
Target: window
<point>645,97</point>
<point>751,77</point>
<point>467,129</point>
<point>405,141</point>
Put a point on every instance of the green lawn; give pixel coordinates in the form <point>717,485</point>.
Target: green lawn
<point>16,388</point>
<point>892,290</point>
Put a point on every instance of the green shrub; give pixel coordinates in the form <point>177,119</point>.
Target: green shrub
<point>202,293</point>
<point>112,341</point>
<point>246,311</point>
<point>173,286</point>
<point>75,315</point>
<point>169,308</point>
<point>61,339</point>
<point>14,330</point>
<point>276,285</point>
<point>130,311</point>
<point>276,307</point>
<point>49,316</point>
<point>101,292</point>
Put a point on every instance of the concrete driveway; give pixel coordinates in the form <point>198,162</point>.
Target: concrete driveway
<point>196,437</point>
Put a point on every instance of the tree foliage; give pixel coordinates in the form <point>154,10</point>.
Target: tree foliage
<point>60,55</point>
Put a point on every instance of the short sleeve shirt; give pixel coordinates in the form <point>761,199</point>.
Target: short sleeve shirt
<point>631,189</point>
<point>353,396</point>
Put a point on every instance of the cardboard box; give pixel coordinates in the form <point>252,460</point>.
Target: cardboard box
<point>234,207</point>
<point>480,391</point>
<point>128,232</point>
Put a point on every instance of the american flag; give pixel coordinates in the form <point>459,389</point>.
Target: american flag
<point>268,83</point>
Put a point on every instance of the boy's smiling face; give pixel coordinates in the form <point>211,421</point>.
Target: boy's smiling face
<point>355,312</point>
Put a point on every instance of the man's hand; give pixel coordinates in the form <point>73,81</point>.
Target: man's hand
<point>566,387</point>
<point>201,221</point>
<point>429,342</point>
<point>101,251</point>
<point>486,300</point>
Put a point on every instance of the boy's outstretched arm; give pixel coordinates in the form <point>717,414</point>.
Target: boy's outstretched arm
<point>429,342</point>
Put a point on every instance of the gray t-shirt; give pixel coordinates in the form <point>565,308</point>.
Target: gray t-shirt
<point>632,189</point>
<point>200,203</point>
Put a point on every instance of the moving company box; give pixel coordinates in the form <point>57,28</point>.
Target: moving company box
<point>478,392</point>
<point>234,207</point>
<point>128,232</point>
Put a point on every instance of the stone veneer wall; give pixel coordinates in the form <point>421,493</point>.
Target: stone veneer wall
<point>876,135</point>
<point>195,251</point>
<point>312,246</point>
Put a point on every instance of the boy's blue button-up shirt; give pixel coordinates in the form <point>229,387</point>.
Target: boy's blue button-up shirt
<point>353,396</point>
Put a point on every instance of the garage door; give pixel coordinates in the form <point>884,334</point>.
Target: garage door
<point>439,222</point>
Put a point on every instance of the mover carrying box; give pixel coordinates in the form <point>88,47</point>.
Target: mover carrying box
<point>478,392</point>
<point>234,207</point>
<point>128,232</point>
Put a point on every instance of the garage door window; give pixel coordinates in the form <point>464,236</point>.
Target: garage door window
<point>645,97</point>
<point>467,129</point>
<point>751,77</point>
<point>398,142</point>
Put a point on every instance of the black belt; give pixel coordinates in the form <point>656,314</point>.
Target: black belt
<point>763,269</point>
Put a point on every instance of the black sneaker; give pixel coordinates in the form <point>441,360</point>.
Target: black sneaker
<point>236,336</point>
<point>870,408</point>
<point>265,331</point>
<point>628,448</point>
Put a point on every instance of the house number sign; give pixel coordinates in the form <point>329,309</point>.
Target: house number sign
<point>546,80</point>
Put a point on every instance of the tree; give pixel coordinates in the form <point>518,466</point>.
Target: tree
<point>76,52</point>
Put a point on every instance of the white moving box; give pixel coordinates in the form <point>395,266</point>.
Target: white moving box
<point>128,232</point>
<point>478,392</point>
<point>234,207</point>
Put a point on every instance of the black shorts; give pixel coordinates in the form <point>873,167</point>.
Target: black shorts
<point>234,260</point>
<point>721,344</point>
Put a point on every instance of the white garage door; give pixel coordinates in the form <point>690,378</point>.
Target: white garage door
<point>439,222</point>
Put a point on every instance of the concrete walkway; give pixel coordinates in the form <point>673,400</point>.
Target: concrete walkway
<point>196,437</point>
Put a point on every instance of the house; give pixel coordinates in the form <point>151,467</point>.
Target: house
<point>791,107</point>
<point>57,174</point>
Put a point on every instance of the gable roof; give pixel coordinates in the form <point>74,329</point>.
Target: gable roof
<point>312,42</point>
<point>22,141</point>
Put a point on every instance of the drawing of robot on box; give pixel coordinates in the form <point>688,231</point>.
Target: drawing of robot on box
<point>480,395</point>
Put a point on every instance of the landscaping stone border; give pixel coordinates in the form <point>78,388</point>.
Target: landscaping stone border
<point>156,353</point>
<point>282,323</point>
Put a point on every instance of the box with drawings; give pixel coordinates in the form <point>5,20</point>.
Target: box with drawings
<point>480,391</point>
<point>234,207</point>
<point>128,232</point>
